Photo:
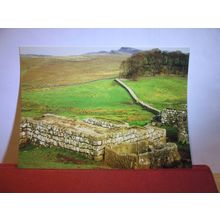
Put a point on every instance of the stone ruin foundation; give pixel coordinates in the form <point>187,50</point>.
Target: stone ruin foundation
<point>141,155</point>
<point>174,118</point>
<point>120,145</point>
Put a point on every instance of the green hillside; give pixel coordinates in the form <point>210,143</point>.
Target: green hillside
<point>106,99</point>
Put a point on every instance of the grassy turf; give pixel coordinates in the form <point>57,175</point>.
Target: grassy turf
<point>37,72</point>
<point>101,99</point>
<point>106,99</point>
<point>161,91</point>
<point>40,157</point>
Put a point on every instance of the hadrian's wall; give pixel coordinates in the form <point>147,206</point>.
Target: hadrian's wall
<point>88,137</point>
<point>175,118</point>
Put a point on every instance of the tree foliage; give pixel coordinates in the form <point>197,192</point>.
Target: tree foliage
<point>154,62</point>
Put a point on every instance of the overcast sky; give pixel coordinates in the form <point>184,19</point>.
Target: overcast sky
<point>66,51</point>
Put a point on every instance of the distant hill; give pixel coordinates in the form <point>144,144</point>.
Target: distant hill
<point>35,55</point>
<point>129,50</point>
<point>40,71</point>
<point>126,50</point>
<point>122,50</point>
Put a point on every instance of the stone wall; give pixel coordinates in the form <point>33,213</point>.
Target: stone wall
<point>136,99</point>
<point>173,116</point>
<point>177,119</point>
<point>84,137</point>
<point>48,133</point>
<point>144,156</point>
<point>155,136</point>
<point>105,124</point>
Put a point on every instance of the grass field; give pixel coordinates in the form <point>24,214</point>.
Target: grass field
<point>106,99</point>
<point>101,99</point>
<point>37,72</point>
<point>161,91</point>
<point>73,86</point>
<point>42,157</point>
<point>58,158</point>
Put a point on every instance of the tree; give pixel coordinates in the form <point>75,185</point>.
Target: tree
<point>154,62</point>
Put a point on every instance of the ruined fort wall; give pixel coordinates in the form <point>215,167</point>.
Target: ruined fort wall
<point>42,133</point>
<point>178,119</point>
<point>105,124</point>
<point>154,157</point>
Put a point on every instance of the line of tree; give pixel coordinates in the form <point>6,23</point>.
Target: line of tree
<point>154,62</point>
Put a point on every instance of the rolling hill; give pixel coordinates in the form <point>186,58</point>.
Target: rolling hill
<point>49,71</point>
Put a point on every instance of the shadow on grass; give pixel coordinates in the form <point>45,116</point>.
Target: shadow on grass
<point>31,156</point>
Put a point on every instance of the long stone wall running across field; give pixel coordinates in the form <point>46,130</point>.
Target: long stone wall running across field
<point>89,137</point>
<point>136,99</point>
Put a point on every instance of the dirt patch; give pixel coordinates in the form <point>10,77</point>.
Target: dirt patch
<point>67,159</point>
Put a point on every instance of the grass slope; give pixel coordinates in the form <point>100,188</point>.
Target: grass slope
<point>106,99</point>
<point>161,91</point>
<point>39,72</point>
<point>42,157</point>
<point>101,99</point>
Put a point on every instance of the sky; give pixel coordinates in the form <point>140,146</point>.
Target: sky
<point>67,51</point>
